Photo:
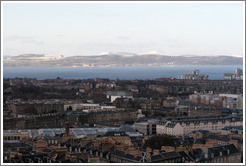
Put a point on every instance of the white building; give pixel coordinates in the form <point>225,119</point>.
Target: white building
<point>113,95</point>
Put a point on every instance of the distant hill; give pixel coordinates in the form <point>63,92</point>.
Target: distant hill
<point>41,60</point>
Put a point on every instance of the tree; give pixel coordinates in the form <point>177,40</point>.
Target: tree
<point>69,108</point>
<point>156,142</point>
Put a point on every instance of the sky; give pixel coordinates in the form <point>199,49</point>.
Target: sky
<point>97,28</point>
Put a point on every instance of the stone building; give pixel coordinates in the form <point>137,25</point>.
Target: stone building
<point>170,128</point>
<point>36,107</point>
<point>204,122</point>
<point>224,154</point>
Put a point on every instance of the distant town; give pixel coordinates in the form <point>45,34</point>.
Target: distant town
<point>164,120</point>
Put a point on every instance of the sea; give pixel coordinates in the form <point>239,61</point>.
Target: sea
<point>113,73</point>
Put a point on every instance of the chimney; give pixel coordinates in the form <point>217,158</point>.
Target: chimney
<point>148,149</point>
<point>67,129</point>
<point>155,151</point>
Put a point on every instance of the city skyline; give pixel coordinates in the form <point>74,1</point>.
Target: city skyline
<point>98,28</point>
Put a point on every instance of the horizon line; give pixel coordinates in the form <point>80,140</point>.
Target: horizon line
<point>127,53</point>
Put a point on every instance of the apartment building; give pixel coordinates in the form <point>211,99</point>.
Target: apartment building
<point>224,100</point>
<point>169,128</point>
<point>146,128</point>
<point>194,123</point>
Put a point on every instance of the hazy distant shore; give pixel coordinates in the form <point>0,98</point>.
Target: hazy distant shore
<point>149,60</point>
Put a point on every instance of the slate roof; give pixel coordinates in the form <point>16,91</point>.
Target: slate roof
<point>128,156</point>
<point>40,137</point>
<point>47,149</point>
<point>127,128</point>
<point>202,131</point>
<point>118,153</point>
<point>239,140</point>
<point>88,146</point>
<point>164,156</point>
<point>115,133</point>
<point>119,93</point>
<point>224,138</point>
<point>213,136</point>
<point>198,155</point>
<point>185,156</point>
<point>200,141</point>
<point>14,144</point>
<point>223,150</point>
<point>171,125</point>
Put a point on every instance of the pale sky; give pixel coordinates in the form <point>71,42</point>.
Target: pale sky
<point>92,28</point>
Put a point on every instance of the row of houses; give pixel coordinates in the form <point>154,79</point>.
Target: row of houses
<point>183,125</point>
<point>112,147</point>
<point>224,100</point>
<point>180,126</point>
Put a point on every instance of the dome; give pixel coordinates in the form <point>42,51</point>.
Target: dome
<point>126,128</point>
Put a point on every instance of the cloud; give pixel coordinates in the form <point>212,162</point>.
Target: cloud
<point>23,39</point>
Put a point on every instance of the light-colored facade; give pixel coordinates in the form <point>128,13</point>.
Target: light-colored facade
<point>225,100</point>
<point>232,100</point>
<point>194,123</point>
<point>169,128</point>
<point>113,95</point>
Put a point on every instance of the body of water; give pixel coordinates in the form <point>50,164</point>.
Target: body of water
<point>124,73</point>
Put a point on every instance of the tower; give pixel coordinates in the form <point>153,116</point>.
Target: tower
<point>196,72</point>
<point>238,72</point>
